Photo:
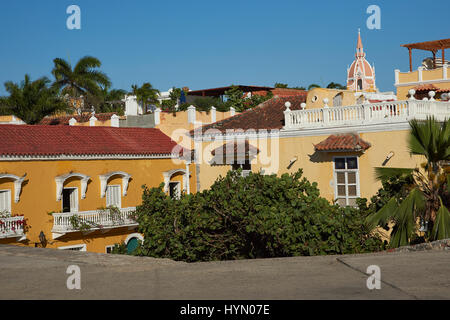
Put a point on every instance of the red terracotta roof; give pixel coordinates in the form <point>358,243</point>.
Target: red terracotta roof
<point>345,142</point>
<point>27,140</point>
<point>64,120</point>
<point>430,87</point>
<point>281,92</point>
<point>268,115</point>
<point>234,147</point>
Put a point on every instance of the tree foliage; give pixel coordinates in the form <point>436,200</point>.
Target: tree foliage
<point>334,85</point>
<point>31,101</point>
<point>84,79</point>
<point>257,216</point>
<point>145,94</point>
<point>427,189</point>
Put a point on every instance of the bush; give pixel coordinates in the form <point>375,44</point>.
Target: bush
<point>257,216</point>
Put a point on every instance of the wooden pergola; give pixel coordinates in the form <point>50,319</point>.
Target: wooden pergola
<point>433,46</point>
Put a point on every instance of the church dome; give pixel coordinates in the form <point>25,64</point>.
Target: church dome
<point>360,75</point>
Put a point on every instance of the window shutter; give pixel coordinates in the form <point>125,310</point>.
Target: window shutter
<point>5,201</point>
<point>113,196</point>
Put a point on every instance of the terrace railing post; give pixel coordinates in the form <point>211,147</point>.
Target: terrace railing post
<point>288,116</point>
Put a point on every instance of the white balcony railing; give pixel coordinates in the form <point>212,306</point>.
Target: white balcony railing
<point>12,227</point>
<point>92,220</point>
<point>375,113</point>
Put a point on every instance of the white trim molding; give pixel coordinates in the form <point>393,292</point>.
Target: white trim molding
<point>134,235</point>
<point>17,184</point>
<point>61,179</point>
<point>104,181</point>
<point>88,157</point>
<point>76,247</point>
<point>168,175</point>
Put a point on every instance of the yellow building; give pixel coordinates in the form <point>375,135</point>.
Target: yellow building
<point>55,176</point>
<point>336,136</point>
<point>431,75</point>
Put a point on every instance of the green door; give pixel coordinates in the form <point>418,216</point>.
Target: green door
<point>132,244</point>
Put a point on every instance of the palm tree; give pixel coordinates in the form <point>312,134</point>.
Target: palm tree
<point>82,80</point>
<point>146,94</point>
<point>112,100</point>
<point>431,140</point>
<point>31,100</point>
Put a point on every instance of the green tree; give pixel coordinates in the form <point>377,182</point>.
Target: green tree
<point>112,101</point>
<point>312,86</point>
<point>430,184</point>
<point>285,217</point>
<point>31,101</point>
<point>235,99</point>
<point>280,85</point>
<point>174,95</point>
<point>145,94</point>
<point>333,85</point>
<point>82,80</point>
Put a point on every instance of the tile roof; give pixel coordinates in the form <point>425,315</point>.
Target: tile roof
<point>234,147</point>
<point>64,120</point>
<point>344,142</point>
<point>282,92</point>
<point>430,87</point>
<point>267,115</point>
<point>39,140</point>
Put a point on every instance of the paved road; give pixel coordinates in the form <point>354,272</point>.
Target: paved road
<point>33,273</point>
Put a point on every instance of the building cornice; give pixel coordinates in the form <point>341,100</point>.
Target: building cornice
<point>86,157</point>
<point>289,133</point>
<point>416,83</point>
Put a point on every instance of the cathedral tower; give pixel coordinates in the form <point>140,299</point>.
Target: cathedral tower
<point>361,75</point>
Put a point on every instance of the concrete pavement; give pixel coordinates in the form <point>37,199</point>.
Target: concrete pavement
<point>34,273</point>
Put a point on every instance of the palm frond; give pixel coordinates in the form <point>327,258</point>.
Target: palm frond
<point>382,216</point>
<point>441,228</point>
<point>382,173</point>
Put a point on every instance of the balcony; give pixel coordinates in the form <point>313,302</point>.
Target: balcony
<point>367,114</point>
<point>89,221</point>
<point>421,76</point>
<point>12,227</point>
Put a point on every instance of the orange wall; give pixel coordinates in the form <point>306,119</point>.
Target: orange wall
<point>38,196</point>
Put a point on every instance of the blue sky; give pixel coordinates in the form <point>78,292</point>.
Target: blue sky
<point>205,44</point>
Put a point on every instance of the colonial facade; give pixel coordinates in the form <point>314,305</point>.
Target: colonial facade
<point>57,183</point>
<point>337,142</point>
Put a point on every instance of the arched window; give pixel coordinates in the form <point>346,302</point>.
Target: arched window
<point>113,192</point>
<point>61,179</point>
<point>360,84</point>
<point>17,184</point>
<point>174,187</point>
<point>337,100</point>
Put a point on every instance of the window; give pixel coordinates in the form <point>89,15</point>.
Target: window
<point>360,84</point>
<point>109,249</point>
<point>113,197</point>
<point>174,190</point>
<point>5,201</point>
<point>346,175</point>
<point>78,247</point>
<point>337,100</point>
<point>70,200</point>
<point>246,167</point>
